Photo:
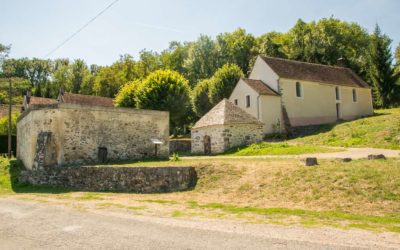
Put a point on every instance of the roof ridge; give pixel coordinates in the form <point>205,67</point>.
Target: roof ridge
<point>302,62</point>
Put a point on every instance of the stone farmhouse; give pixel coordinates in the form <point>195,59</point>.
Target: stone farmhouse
<point>223,127</point>
<point>79,129</point>
<point>284,93</point>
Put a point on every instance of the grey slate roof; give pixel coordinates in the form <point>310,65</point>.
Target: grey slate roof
<point>314,72</point>
<point>225,113</point>
<point>260,87</point>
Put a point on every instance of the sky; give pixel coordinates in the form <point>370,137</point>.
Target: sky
<point>35,28</point>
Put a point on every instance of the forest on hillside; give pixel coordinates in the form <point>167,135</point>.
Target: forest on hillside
<point>188,78</point>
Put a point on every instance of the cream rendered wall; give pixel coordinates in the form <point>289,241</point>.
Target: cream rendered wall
<point>265,108</point>
<point>240,92</point>
<point>318,103</point>
<point>262,71</point>
<point>362,107</point>
<point>271,114</point>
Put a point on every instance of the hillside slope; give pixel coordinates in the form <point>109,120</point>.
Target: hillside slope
<point>379,131</point>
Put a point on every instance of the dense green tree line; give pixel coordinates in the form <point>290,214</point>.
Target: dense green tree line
<point>211,66</point>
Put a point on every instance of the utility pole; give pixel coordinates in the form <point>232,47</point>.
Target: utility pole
<point>9,117</point>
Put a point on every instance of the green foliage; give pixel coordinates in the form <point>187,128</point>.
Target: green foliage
<point>265,148</point>
<point>379,131</point>
<point>202,59</point>
<point>200,100</point>
<point>223,82</point>
<point>382,74</point>
<point>175,157</point>
<point>236,48</point>
<point>126,96</point>
<point>165,90</point>
<point>4,124</point>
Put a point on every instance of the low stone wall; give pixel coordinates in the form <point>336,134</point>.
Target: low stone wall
<point>117,179</point>
<point>180,146</point>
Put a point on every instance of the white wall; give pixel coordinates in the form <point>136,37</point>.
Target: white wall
<point>261,71</point>
<point>240,92</point>
<point>265,108</point>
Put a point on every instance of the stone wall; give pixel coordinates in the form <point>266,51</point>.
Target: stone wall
<point>77,133</point>
<point>224,137</point>
<point>180,145</point>
<point>117,179</point>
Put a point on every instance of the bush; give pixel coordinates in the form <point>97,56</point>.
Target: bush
<point>165,90</point>
<point>223,82</point>
<point>126,96</point>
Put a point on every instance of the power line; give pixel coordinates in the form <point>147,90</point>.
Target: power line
<point>81,28</point>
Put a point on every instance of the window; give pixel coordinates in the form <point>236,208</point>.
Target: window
<point>299,90</point>
<point>247,101</point>
<point>236,102</point>
<point>337,91</point>
<point>354,95</point>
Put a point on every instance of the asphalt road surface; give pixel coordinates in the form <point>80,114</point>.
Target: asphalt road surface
<point>33,225</point>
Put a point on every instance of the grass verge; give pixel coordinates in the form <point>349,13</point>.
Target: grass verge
<point>265,148</point>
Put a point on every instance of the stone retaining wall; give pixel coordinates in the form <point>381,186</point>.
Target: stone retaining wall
<point>180,146</point>
<point>117,179</point>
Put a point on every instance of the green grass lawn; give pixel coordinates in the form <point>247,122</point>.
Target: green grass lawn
<point>379,131</point>
<point>265,148</point>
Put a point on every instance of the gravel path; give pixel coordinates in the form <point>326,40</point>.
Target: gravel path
<point>354,153</point>
<point>32,225</point>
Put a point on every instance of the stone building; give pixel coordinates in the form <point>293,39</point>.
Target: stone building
<point>225,126</point>
<point>79,129</point>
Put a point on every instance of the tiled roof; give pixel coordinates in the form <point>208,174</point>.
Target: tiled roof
<point>260,87</point>
<point>224,113</point>
<point>314,72</point>
<point>33,100</point>
<point>86,100</point>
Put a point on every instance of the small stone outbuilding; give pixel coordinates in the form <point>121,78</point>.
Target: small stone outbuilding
<point>223,127</point>
<point>78,130</point>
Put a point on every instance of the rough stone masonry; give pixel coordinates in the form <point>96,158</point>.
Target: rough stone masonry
<point>115,178</point>
<point>71,134</point>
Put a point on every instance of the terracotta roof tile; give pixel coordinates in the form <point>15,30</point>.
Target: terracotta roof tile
<point>33,100</point>
<point>87,100</point>
<point>224,113</point>
<point>314,72</point>
<point>260,87</point>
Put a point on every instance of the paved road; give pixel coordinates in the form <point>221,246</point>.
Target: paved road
<point>30,225</point>
<point>354,153</point>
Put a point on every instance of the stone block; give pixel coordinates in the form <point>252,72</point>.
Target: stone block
<point>311,161</point>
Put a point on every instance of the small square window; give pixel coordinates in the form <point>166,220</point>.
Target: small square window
<point>236,102</point>
<point>299,90</point>
<point>247,101</point>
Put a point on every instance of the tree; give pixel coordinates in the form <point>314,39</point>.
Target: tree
<point>200,98</point>
<point>174,57</point>
<point>223,82</point>
<point>202,60</point>
<point>126,96</point>
<point>4,50</point>
<point>236,48</point>
<point>270,44</point>
<point>382,73</point>
<point>165,90</point>
<point>79,74</point>
<point>397,57</point>
<point>108,81</point>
